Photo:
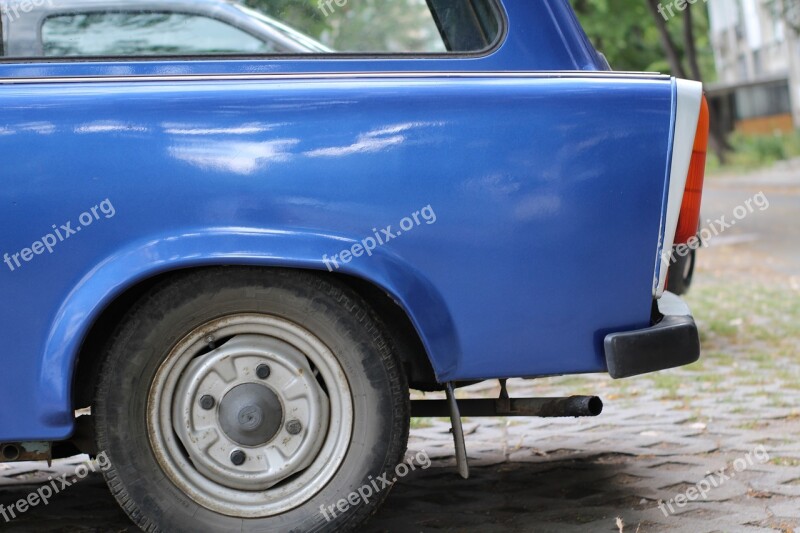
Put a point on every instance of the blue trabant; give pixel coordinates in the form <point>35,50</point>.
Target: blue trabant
<point>236,235</point>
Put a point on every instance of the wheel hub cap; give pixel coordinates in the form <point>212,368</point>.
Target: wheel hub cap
<point>250,414</point>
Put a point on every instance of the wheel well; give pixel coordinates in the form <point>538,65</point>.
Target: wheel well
<point>401,331</point>
<point>90,357</point>
<point>399,327</point>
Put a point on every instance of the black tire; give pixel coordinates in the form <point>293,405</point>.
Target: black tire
<point>681,273</point>
<point>335,314</point>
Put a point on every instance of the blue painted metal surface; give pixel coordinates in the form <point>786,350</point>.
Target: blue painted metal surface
<point>547,193</point>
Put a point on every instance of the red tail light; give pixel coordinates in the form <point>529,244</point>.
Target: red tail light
<point>690,208</point>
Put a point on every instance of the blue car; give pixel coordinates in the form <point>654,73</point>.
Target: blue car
<point>234,263</point>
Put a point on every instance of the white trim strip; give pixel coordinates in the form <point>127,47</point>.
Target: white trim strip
<point>687,113</point>
<point>338,76</point>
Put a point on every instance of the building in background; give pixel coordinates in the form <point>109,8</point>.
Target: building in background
<point>757,55</point>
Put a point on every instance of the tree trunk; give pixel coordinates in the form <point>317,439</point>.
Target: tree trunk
<point>689,43</point>
<point>670,49</point>
<point>717,139</point>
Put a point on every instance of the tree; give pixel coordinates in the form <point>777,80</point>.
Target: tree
<point>673,54</point>
<point>642,35</point>
<point>624,32</point>
<point>689,43</point>
<point>717,138</point>
<point>788,10</point>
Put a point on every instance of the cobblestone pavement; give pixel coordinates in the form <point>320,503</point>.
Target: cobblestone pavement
<point>727,427</point>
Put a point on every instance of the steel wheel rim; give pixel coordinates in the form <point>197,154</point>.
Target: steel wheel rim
<point>250,339</point>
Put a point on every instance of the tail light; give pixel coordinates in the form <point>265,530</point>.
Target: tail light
<point>693,194</point>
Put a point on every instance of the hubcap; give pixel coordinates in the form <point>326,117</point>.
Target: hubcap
<point>250,415</point>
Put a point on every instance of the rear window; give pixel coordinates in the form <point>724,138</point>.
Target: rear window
<point>122,28</point>
<point>135,33</point>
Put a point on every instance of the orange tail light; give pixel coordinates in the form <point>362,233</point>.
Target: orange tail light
<point>690,207</point>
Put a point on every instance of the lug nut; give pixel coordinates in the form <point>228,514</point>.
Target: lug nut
<point>207,402</point>
<point>263,371</point>
<point>294,427</point>
<point>238,457</point>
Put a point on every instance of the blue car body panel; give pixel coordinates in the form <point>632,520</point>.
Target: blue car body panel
<point>548,191</point>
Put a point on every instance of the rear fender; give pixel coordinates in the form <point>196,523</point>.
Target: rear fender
<point>232,246</point>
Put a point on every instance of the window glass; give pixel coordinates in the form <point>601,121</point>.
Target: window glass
<point>136,34</point>
<point>762,101</point>
<point>388,26</point>
<point>89,28</point>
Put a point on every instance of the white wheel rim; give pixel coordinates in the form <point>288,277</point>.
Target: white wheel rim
<point>290,452</point>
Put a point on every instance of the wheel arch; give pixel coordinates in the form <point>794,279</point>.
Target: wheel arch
<point>399,327</point>
<point>406,303</point>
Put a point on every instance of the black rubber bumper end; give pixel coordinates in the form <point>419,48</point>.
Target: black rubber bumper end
<point>670,343</point>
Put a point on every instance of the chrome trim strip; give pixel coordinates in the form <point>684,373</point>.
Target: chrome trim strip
<point>336,76</point>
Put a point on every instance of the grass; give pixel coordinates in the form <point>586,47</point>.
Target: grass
<point>753,424</point>
<point>765,320</point>
<point>794,385</point>
<point>757,151</point>
<point>420,423</point>
<point>666,381</point>
<point>699,366</point>
<point>785,461</point>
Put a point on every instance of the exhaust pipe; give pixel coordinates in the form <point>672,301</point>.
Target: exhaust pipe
<point>10,453</point>
<point>25,451</point>
<point>555,407</point>
<point>571,406</point>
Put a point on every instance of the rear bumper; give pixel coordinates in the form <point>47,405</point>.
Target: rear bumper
<point>670,342</point>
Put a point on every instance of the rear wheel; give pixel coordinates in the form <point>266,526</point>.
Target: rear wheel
<point>681,273</point>
<point>252,400</point>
